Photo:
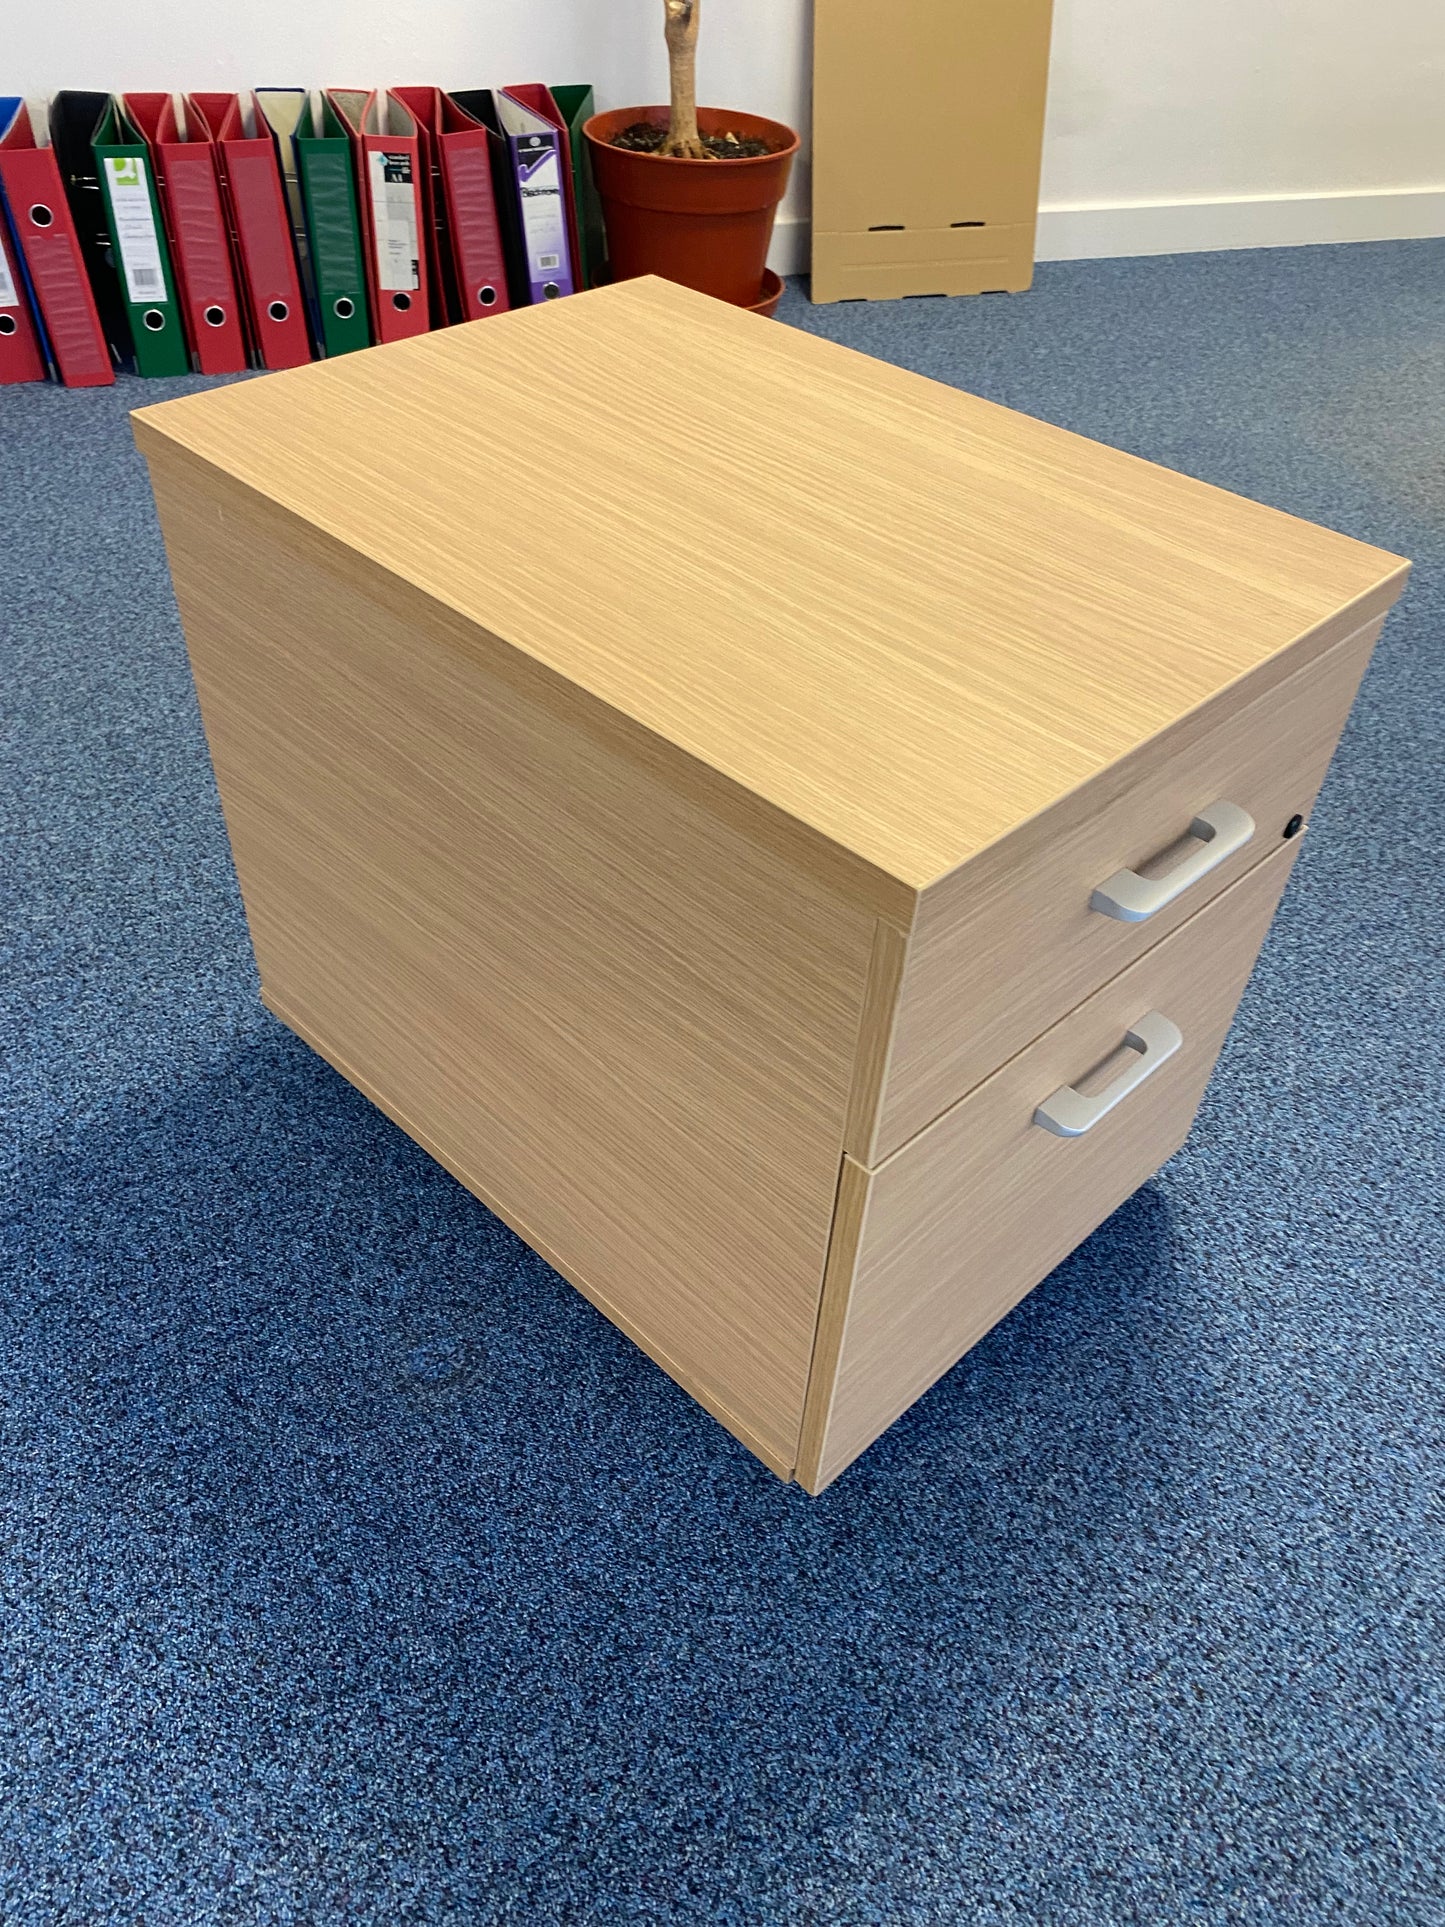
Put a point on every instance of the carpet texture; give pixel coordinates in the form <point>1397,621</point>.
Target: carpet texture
<point>353,1570</point>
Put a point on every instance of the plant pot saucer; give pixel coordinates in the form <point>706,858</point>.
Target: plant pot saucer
<point>772,294</point>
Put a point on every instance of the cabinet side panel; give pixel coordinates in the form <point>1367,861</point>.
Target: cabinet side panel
<point>875,1039</point>
<point>854,1184</point>
<point>926,115</point>
<point>965,1220</point>
<point>927,138</point>
<point>621,1021</point>
<point>890,266</point>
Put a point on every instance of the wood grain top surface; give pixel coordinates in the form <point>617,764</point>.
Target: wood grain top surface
<point>906,617</point>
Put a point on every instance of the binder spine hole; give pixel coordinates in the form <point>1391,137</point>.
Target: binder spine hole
<point>343,307</point>
<point>487,297</point>
<point>154,320</point>
<point>887,227</point>
<point>966,224</point>
<point>215,317</point>
<point>7,324</point>
<point>401,302</point>
<point>551,291</point>
<point>278,311</point>
<point>40,215</point>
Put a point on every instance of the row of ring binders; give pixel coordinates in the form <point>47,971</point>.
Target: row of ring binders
<point>217,232</point>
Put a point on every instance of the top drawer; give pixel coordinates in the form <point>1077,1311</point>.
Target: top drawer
<point>1010,943</point>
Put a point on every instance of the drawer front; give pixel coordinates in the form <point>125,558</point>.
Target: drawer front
<point>1004,947</point>
<point>933,1247</point>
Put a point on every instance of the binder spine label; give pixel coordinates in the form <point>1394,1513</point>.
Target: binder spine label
<point>539,178</point>
<point>393,209</point>
<point>135,230</point>
<point>8,296</point>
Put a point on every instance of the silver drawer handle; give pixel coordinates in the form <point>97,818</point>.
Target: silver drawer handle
<point>1068,1113</point>
<point>1222,829</point>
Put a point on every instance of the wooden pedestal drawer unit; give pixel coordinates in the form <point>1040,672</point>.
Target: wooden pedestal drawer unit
<point>707,786</point>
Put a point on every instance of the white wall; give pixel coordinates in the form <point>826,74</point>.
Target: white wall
<point>1200,123</point>
<point>1171,122</point>
<point>754,52</point>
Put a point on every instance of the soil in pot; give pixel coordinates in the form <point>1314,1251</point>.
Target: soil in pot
<point>646,136</point>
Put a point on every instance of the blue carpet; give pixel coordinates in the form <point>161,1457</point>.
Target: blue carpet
<point>354,1571</point>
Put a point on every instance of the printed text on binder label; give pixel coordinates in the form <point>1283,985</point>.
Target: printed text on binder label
<point>393,213</point>
<point>544,221</point>
<point>135,229</point>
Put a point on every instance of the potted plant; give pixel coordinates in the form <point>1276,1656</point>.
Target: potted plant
<point>690,192</point>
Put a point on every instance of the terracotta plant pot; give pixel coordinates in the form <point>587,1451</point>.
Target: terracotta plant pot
<point>706,224</point>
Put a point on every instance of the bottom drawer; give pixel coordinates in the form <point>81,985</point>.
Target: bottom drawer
<point>933,1246</point>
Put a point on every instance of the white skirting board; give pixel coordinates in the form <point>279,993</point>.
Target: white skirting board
<point>1253,221</point>
<point>1197,227</point>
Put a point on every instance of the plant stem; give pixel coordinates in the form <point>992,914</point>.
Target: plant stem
<point>683,140</point>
